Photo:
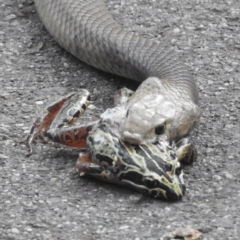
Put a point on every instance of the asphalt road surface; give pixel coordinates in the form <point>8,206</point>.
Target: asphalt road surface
<point>41,197</point>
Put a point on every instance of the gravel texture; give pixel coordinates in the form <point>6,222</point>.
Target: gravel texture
<point>41,197</point>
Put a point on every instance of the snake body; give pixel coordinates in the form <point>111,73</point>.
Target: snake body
<point>167,99</point>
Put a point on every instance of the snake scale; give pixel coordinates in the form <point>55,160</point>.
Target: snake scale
<point>141,141</point>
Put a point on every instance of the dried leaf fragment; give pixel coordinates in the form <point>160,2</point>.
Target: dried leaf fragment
<point>187,233</point>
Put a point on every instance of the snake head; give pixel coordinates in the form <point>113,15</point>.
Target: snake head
<point>157,112</point>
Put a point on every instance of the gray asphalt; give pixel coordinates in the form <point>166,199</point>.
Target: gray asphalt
<point>41,197</point>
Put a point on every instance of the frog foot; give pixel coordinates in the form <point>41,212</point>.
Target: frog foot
<point>57,122</point>
<point>186,151</point>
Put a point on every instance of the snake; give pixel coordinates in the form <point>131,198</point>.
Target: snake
<point>140,141</point>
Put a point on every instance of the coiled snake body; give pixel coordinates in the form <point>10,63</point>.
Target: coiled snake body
<point>140,142</point>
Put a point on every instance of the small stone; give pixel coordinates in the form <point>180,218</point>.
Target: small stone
<point>219,8</point>
<point>8,62</point>
<point>11,17</point>
<point>39,102</point>
<point>229,176</point>
<point>208,150</point>
<point>3,156</point>
<point>134,197</point>
<point>176,30</point>
<point>29,229</point>
<point>15,230</point>
<point>223,24</point>
<point>101,231</point>
<point>216,177</point>
<point>19,125</point>
<point>123,227</point>
<point>53,179</point>
<point>210,82</point>
<point>225,223</point>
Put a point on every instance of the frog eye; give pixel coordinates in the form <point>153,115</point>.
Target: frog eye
<point>160,129</point>
<point>150,182</point>
<point>178,171</point>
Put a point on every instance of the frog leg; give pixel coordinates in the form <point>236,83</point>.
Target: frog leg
<point>40,126</point>
<point>62,113</point>
<point>73,136</point>
<point>186,151</point>
<point>122,96</point>
<point>86,167</point>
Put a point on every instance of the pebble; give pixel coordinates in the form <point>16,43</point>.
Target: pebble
<point>10,17</point>
<point>15,231</point>
<point>123,227</point>
<point>229,176</point>
<point>225,223</point>
<point>3,156</point>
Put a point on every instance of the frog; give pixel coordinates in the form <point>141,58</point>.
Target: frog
<point>153,168</point>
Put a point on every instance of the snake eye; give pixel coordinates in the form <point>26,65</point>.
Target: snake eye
<point>160,129</point>
<point>149,182</point>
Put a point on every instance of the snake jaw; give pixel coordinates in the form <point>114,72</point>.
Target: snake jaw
<point>132,138</point>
